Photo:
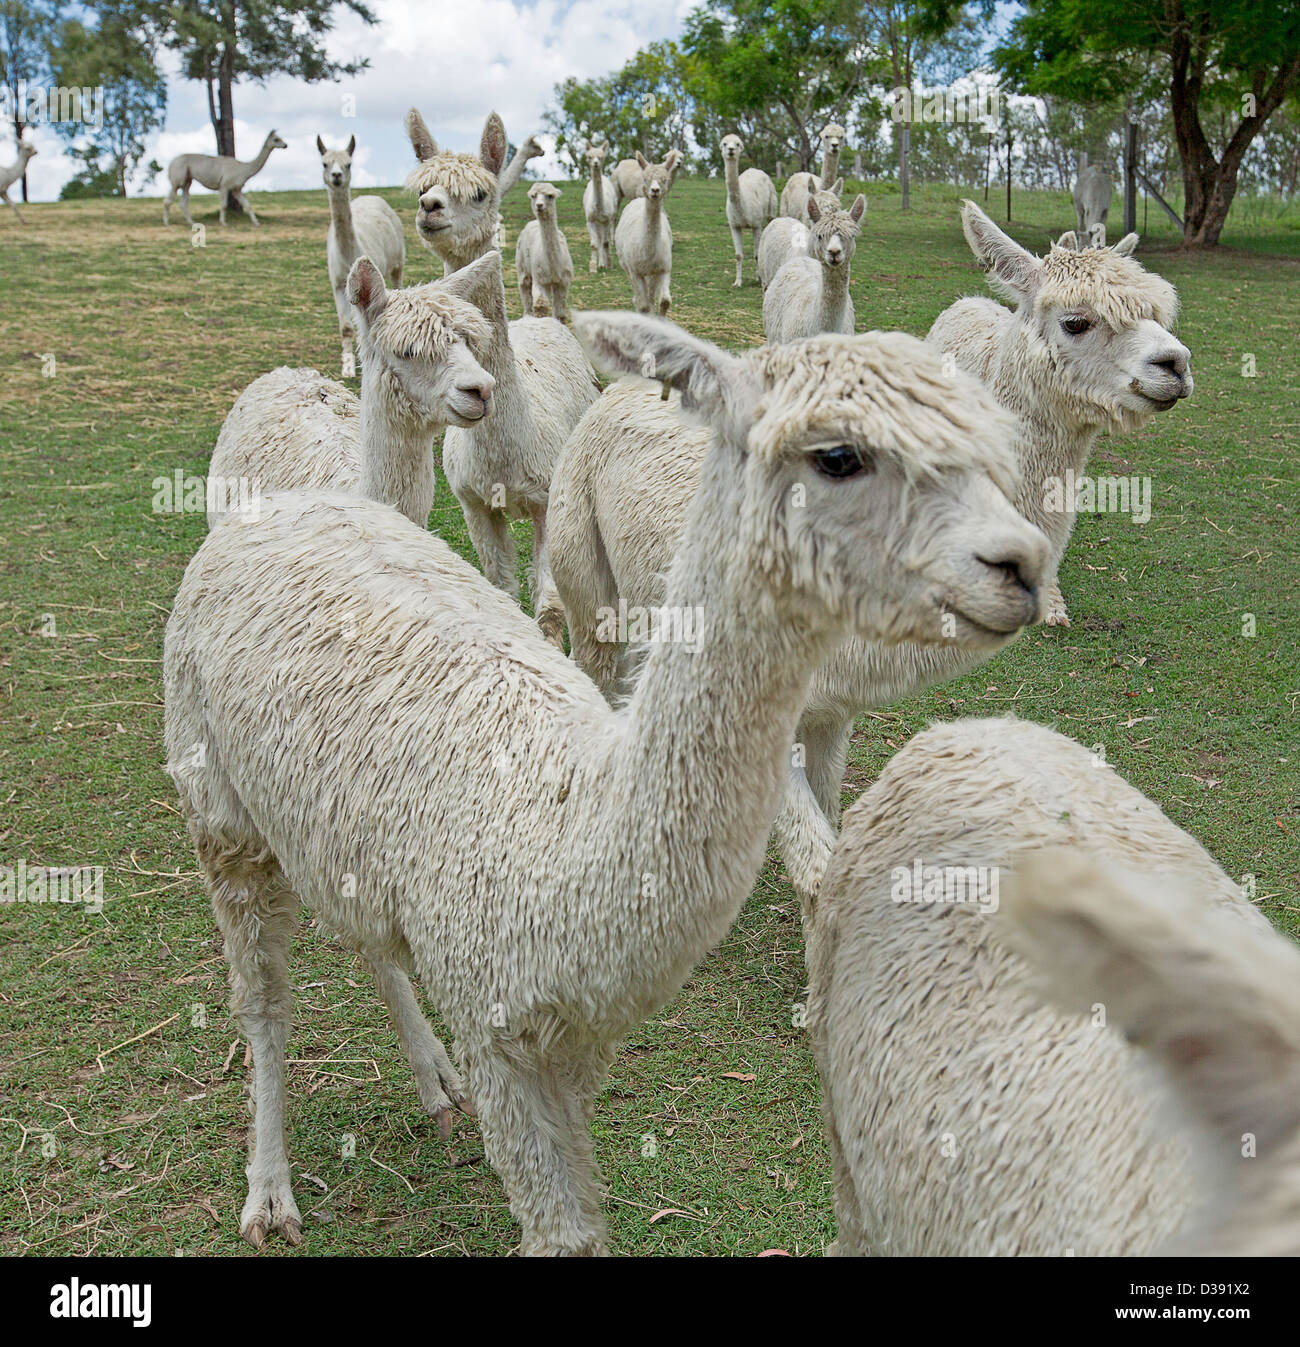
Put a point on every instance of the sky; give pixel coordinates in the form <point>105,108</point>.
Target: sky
<point>456,61</point>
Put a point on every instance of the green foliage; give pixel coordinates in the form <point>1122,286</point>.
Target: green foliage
<point>119,55</point>
<point>25,27</point>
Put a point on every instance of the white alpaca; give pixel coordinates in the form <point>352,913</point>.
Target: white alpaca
<point>627,178</point>
<point>785,239</point>
<point>368,227</point>
<point>293,429</point>
<point>1092,193</point>
<point>1172,973</point>
<point>600,207</point>
<point>12,173</point>
<point>644,238</point>
<point>751,199</point>
<point>502,469</point>
<point>457,215</point>
<point>963,1117</point>
<point>810,294</point>
<point>358,721</point>
<point>220,173</point>
<point>620,500</point>
<point>542,260</point>
<point>1087,349</point>
<point>801,186</point>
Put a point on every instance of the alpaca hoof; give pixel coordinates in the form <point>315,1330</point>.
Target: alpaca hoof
<point>552,627</point>
<point>1056,617</point>
<point>443,1119</point>
<point>271,1208</point>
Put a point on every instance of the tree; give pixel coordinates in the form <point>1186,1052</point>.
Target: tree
<point>224,42</point>
<point>644,106</point>
<point>784,68</point>
<point>118,55</point>
<point>1239,58</point>
<point>25,27</point>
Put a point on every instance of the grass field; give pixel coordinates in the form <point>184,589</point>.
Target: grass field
<point>122,1073</point>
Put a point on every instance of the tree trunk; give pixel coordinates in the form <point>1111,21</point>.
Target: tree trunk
<point>19,127</point>
<point>226,102</point>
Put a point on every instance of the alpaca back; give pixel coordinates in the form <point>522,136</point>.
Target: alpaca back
<point>288,430</point>
<point>966,1118</point>
<point>642,249</point>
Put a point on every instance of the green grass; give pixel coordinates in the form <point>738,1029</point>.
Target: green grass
<point>152,340</point>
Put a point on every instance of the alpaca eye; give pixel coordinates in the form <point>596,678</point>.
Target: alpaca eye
<point>839,462</point>
<point>1076,325</point>
<point>480,195</point>
<point>409,353</point>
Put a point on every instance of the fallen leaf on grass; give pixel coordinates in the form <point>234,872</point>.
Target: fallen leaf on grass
<point>739,1075</point>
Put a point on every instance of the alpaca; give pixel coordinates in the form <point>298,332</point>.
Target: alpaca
<point>1092,193</point>
<point>627,179</point>
<point>295,430</point>
<point>751,200</point>
<point>801,186</point>
<point>13,173</point>
<point>502,469</point>
<point>620,499</point>
<point>1096,238</point>
<point>785,239</point>
<point>600,207</point>
<point>368,226</point>
<point>810,294</point>
<point>644,238</point>
<point>1087,349</point>
<point>963,1117</point>
<point>458,193</point>
<point>221,173</point>
<point>542,259</point>
<point>385,738</point>
<point>1204,978</point>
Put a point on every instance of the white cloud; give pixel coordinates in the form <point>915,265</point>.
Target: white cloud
<point>455,62</point>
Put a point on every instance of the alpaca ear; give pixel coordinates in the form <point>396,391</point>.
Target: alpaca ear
<point>814,210</point>
<point>1127,246</point>
<point>1012,271</point>
<point>717,387</point>
<point>422,142</point>
<point>858,209</point>
<point>352,145</point>
<point>642,160</point>
<point>320,146</point>
<point>672,161</point>
<point>366,291</point>
<point>838,186</point>
<point>1069,241</point>
<point>479,284</point>
<point>493,147</point>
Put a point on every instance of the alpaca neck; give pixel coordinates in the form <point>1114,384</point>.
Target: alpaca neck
<point>341,220</point>
<point>654,213</point>
<point>732,169</point>
<point>258,164</point>
<point>835,289</point>
<point>396,445</point>
<point>598,189</point>
<point>552,243</point>
<point>705,751</point>
<point>830,168</point>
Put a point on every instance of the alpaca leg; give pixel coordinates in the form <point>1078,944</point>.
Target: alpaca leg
<point>593,233</point>
<point>546,600</point>
<point>167,204</point>
<point>526,293</point>
<point>663,300</point>
<point>437,1080</point>
<point>346,333</point>
<point>489,531</point>
<point>1055,614</point>
<point>851,1238</point>
<point>738,243</point>
<point>257,913</point>
<point>530,1114</point>
<point>826,746</point>
<point>13,206</point>
<point>221,207</point>
<point>243,201</point>
<point>185,205</point>
<point>558,296</point>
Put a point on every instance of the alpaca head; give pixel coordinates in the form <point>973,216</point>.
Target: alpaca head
<point>1092,326</point>
<point>336,165</point>
<point>656,179</point>
<point>457,214</point>
<point>871,490</point>
<point>833,237</point>
<point>541,199</point>
<point>595,156</point>
<point>833,138</point>
<point>275,142</point>
<point>732,148</point>
<point>423,343</point>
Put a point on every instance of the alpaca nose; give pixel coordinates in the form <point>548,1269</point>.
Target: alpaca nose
<point>1176,365</point>
<point>481,390</point>
<point>432,202</point>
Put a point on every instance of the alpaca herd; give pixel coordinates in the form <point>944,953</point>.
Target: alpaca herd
<point>361,722</point>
